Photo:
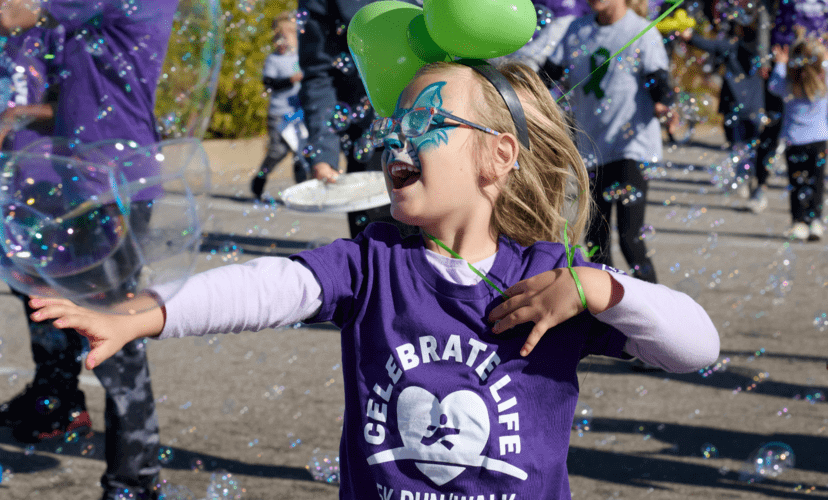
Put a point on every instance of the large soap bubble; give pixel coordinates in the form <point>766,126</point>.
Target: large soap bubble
<point>105,222</point>
<point>98,221</point>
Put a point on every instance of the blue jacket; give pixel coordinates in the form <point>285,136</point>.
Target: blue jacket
<point>320,44</point>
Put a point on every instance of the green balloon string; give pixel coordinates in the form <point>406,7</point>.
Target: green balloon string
<point>625,47</point>
<point>456,256</point>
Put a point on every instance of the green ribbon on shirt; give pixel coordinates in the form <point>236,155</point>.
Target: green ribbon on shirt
<point>456,256</point>
<point>597,72</point>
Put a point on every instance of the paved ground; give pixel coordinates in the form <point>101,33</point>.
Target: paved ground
<point>260,406</point>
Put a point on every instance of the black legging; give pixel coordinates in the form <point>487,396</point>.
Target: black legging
<point>806,173</point>
<point>766,149</point>
<point>606,179</point>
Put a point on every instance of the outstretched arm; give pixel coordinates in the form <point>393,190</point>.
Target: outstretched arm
<point>108,333</point>
<point>268,292</point>
<point>18,14</point>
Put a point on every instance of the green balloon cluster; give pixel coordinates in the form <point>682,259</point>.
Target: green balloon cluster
<point>390,40</point>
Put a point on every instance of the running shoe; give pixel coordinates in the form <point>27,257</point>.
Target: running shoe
<point>758,201</point>
<point>799,231</point>
<point>35,415</point>
<point>815,231</point>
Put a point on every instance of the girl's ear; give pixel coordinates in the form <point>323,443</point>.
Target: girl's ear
<point>505,154</point>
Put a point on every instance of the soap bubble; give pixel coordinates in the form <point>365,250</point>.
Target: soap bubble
<point>98,223</point>
<point>709,451</point>
<point>46,405</point>
<point>197,465</point>
<point>339,117</point>
<point>223,485</point>
<point>176,492</point>
<point>821,321</point>
<point>582,420</point>
<point>324,467</point>
<point>647,233</point>
<point>363,148</point>
<point>189,79</point>
<point>165,455</point>
<point>769,461</point>
<point>344,63</point>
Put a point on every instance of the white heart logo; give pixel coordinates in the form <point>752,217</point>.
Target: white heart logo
<point>454,430</point>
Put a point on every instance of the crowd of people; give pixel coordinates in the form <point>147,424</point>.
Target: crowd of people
<point>497,138</point>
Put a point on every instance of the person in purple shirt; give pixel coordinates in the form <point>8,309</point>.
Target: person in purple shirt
<point>26,63</point>
<point>111,62</point>
<point>460,379</point>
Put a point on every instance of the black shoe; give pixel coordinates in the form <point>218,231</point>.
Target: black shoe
<point>35,415</point>
<point>257,186</point>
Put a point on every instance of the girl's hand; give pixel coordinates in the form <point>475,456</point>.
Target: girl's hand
<point>108,333</point>
<point>551,298</point>
<point>780,54</point>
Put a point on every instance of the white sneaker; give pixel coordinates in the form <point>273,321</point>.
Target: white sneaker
<point>816,230</point>
<point>758,201</point>
<point>799,231</point>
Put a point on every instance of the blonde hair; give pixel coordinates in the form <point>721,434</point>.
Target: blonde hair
<point>531,204</point>
<point>805,69</point>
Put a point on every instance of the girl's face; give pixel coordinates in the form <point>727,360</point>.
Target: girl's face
<point>599,6</point>
<point>434,178</point>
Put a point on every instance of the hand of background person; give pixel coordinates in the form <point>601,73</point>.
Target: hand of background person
<point>108,333</point>
<point>664,112</point>
<point>551,298</point>
<point>325,172</point>
<point>780,54</point>
<point>686,35</point>
<point>296,77</point>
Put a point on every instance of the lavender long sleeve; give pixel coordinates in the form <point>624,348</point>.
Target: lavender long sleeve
<point>664,328</point>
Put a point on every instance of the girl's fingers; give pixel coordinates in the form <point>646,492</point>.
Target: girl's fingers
<point>535,335</point>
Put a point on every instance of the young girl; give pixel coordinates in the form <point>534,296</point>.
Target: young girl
<point>445,394</point>
<point>800,79</point>
<point>616,106</point>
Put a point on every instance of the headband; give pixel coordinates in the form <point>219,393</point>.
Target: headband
<point>506,91</point>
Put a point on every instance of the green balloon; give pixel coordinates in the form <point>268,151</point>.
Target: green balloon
<point>378,37</point>
<point>421,42</point>
<point>480,29</point>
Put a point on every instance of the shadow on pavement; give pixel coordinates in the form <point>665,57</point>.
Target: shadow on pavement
<point>740,379</point>
<point>91,446</point>
<point>650,471</point>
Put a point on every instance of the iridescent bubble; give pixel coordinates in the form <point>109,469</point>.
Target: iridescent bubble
<point>71,437</point>
<point>815,396</point>
<point>821,321</point>
<point>88,450</point>
<point>301,20</point>
<point>770,460</point>
<point>165,455</point>
<point>709,451</point>
<point>582,420</point>
<point>248,6</point>
<point>339,117</point>
<point>311,152</point>
<point>344,63</point>
<point>224,485</point>
<point>361,110</point>
<point>176,492</point>
<point>363,149</point>
<point>647,232</point>
<point>324,467</point>
<point>197,465</point>
<point>77,221</point>
<point>46,405</point>
<point>345,143</point>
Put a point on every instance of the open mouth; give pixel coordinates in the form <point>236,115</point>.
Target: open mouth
<point>403,174</point>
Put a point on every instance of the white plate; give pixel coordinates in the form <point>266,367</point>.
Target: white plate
<point>350,192</point>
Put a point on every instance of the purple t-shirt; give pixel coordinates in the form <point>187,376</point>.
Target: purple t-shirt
<point>27,61</point>
<point>565,7</point>
<point>436,403</point>
<point>112,61</point>
<point>809,14</point>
